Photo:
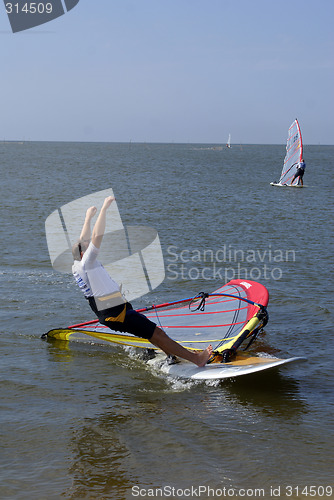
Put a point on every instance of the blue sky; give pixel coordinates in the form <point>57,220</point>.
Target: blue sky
<point>171,71</point>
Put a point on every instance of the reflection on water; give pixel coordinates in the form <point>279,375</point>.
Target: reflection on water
<point>201,431</point>
<point>273,393</point>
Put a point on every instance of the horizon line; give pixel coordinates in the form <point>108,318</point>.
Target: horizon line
<point>217,144</point>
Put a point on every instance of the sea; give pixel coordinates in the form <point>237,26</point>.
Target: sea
<point>83,420</point>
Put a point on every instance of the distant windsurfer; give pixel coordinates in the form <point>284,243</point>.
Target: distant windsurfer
<point>105,297</point>
<point>300,172</point>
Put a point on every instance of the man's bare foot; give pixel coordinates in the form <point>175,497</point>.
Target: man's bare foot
<point>203,356</point>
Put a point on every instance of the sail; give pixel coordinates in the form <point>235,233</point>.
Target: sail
<point>294,154</point>
<point>228,144</point>
<point>225,317</point>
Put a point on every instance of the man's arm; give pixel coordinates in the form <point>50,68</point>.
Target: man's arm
<point>100,224</point>
<point>86,231</point>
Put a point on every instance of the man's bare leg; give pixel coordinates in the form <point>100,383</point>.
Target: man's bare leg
<point>169,346</point>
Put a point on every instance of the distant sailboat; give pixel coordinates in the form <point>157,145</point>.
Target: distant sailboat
<point>228,144</point>
<point>294,154</point>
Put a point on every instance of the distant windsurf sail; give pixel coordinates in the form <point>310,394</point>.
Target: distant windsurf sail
<point>225,319</point>
<point>294,154</point>
<point>228,144</point>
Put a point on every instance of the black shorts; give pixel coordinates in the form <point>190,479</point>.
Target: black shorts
<point>134,322</point>
<point>299,173</point>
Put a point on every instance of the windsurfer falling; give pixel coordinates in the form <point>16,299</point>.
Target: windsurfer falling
<point>105,297</point>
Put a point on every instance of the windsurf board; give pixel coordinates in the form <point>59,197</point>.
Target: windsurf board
<point>277,184</point>
<point>242,365</point>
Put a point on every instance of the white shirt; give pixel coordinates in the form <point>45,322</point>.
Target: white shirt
<point>91,277</point>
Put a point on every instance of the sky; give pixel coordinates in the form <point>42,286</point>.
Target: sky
<point>185,71</point>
